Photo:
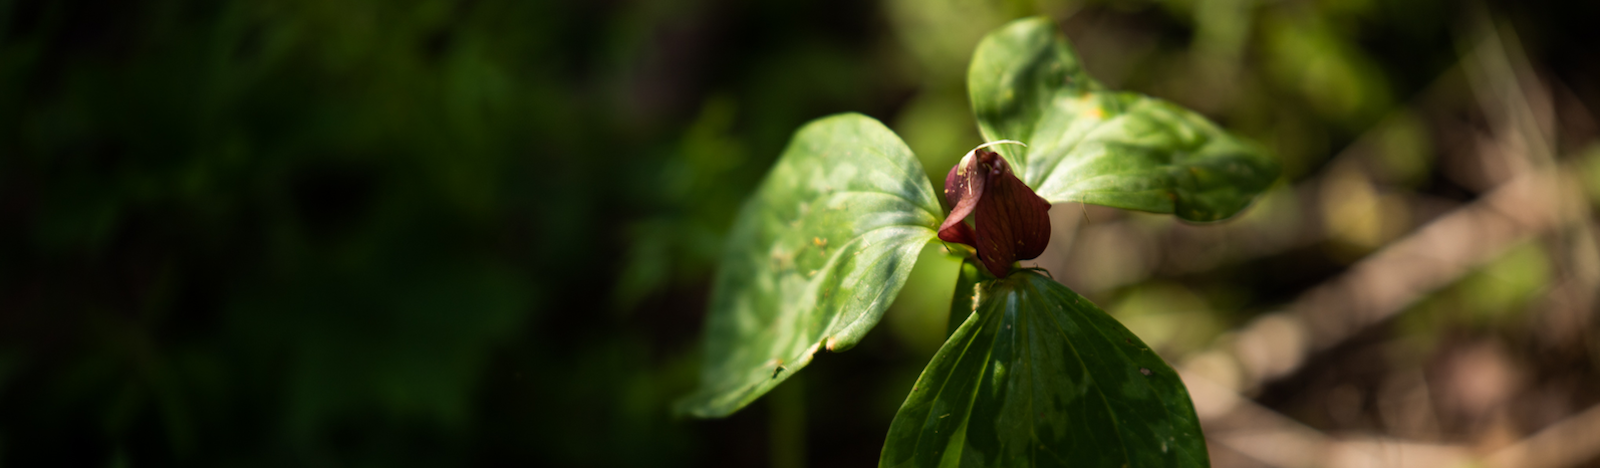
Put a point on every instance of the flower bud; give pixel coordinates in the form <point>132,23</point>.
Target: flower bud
<point>1012,222</point>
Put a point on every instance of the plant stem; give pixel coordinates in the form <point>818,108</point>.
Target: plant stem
<point>788,424</point>
<point>961,301</point>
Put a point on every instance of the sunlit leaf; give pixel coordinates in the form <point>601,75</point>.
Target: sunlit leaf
<point>815,257</point>
<point>1092,145</point>
<point>1039,376</point>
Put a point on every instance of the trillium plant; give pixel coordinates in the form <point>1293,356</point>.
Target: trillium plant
<point>1032,374</point>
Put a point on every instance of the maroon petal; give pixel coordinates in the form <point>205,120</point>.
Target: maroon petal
<point>959,233</point>
<point>1013,222</point>
<point>963,187</point>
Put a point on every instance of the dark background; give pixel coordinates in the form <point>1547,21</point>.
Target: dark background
<point>476,232</point>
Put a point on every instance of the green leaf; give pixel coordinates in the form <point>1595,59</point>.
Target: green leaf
<point>1092,145</point>
<point>815,257</point>
<point>1041,377</point>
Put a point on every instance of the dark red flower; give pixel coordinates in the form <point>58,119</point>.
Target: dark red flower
<point>1013,222</point>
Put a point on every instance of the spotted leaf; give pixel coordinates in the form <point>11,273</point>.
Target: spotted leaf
<point>814,258</point>
<point>1038,376</point>
<point>1089,144</point>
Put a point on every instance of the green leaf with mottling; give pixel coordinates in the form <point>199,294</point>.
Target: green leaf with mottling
<point>1089,144</point>
<point>1037,377</point>
<point>815,257</point>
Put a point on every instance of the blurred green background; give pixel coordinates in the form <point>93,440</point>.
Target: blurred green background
<point>478,232</point>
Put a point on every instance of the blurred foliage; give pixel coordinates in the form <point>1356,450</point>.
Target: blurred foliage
<point>434,232</point>
<point>1589,173</point>
<point>1170,318</point>
<point>1497,296</point>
